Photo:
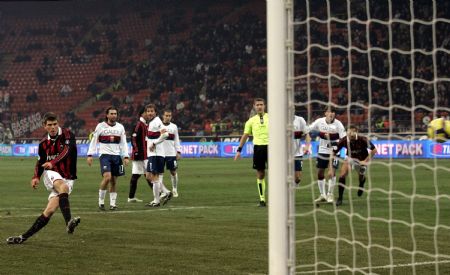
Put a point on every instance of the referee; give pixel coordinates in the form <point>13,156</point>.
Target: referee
<point>258,127</point>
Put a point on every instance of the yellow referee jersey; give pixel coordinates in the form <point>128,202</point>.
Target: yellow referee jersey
<point>258,127</point>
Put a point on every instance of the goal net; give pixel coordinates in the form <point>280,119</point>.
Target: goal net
<point>385,66</point>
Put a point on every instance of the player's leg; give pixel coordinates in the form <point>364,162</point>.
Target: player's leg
<point>105,169</point>
<point>39,223</point>
<point>133,186</point>
<point>153,176</point>
<point>259,164</point>
<point>332,181</point>
<point>174,180</point>
<point>362,179</point>
<point>117,170</point>
<point>298,167</point>
<point>172,166</point>
<point>321,165</point>
<point>261,182</point>
<point>146,174</point>
<point>113,193</point>
<point>343,174</point>
<point>137,169</point>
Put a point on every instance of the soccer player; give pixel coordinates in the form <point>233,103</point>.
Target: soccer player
<point>258,127</point>
<point>172,149</point>
<point>112,141</point>
<point>156,134</point>
<point>330,131</point>
<point>139,154</point>
<point>300,130</point>
<point>57,165</point>
<point>360,151</point>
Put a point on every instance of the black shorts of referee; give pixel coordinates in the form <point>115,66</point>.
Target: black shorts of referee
<point>260,157</point>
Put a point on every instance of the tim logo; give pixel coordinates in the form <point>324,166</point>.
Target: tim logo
<point>229,149</point>
<point>20,150</point>
<point>437,149</point>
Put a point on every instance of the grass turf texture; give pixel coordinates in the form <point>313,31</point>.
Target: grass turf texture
<point>215,226</point>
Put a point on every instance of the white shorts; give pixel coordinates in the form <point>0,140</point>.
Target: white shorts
<point>50,177</point>
<point>139,167</point>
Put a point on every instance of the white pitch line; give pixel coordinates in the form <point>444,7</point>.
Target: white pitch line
<point>107,212</point>
<point>376,267</point>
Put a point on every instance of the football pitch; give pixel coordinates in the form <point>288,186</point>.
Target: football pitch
<point>215,226</point>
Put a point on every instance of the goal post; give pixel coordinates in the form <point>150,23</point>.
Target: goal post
<point>280,172</point>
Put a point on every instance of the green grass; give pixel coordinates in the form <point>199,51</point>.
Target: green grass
<point>215,227</point>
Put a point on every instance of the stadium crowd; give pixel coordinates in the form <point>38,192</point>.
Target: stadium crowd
<point>207,66</point>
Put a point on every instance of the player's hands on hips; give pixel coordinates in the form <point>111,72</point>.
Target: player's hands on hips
<point>89,161</point>
<point>47,166</point>
<point>34,183</point>
<point>237,156</point>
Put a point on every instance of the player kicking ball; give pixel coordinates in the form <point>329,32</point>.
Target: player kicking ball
<point>360,150</point>
<point>57,165</point>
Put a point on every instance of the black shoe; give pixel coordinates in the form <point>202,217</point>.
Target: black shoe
<point>153,204</point>
<point>101,207</point>
<point>15,240</point>
<point>167,198</point>
<point>72,224</point>
<point>339,202</point>
<point>360,191</point>
<point>113,208</point>
<point>262,204</point>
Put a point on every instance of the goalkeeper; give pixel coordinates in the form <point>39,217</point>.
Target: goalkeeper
<point>360,150</point>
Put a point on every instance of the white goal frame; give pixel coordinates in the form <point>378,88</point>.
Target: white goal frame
<point>280,173</point>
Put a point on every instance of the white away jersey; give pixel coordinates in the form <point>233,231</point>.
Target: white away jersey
<point>111,140</point>
<point>154,137</point>
<point>329,134</point>
<point>300,129</point>
<point>172,143</point>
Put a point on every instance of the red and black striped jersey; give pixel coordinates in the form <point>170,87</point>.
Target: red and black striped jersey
<point>61,151</point>
<point>356,148</point>
<point>139,140</point>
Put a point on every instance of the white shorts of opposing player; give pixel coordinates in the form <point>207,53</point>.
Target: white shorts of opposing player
<point>50,177</point>
<point>139,167</point>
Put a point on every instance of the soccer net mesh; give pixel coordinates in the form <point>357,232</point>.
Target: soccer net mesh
<point>386,67</point>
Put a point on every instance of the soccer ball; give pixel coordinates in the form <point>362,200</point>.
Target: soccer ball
<point>439,130</point>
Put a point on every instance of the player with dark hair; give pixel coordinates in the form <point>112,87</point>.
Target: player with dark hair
<point>360,150</point>
<point>330,131</point>
<point>172,149</point>
<point>258,127</point>
<point>112,141</point>
<point>156,134</point>
<point>139,154</point>
<point>57,165</point>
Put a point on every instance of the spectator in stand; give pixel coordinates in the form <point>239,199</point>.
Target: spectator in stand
<point>66,90</point>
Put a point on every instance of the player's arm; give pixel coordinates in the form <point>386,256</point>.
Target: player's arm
<point>124,147</point>
<point>177,143</point>
<point>247,132</point>
<point>93,145</point>
<point>38,169</point>
<point>307,148</point>
<point>137,133</point>
<point>372,152</point>
<point>341,144</point>
<point>241,144</point>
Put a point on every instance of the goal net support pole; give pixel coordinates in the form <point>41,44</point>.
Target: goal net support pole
<point>280,173</point>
